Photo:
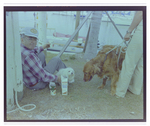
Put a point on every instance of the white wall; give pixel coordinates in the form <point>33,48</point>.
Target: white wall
<point>65,24</point>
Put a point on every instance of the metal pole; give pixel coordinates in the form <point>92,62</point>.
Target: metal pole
<point>115,26</point>
<point>73,35</point>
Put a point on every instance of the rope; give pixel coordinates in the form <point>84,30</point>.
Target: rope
<point>22,108</point>
<point>115,47</point>
<point>121,51</point>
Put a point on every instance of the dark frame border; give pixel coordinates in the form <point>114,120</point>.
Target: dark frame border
<point>80,8</point>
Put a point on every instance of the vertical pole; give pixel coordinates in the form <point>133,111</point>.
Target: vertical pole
<point>46,20</point>
<point>13,59</point>
<point>10,64</point>
<point>87,37</point>
<point>37,20</point>
<point>42,29</point>
<point>77,24</point>
<point>35,25</point>
<point>18,63</point>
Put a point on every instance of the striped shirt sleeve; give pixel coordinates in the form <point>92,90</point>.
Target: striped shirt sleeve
<point>38,49</point>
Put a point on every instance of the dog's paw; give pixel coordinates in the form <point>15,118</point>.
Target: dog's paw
<point>71,81</point>
<point>113,93</point>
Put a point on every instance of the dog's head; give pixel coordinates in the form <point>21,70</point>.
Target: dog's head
<point>89,71</point>
<point>70,72</point>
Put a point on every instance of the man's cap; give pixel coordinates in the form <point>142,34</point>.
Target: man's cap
<point>29,31</point>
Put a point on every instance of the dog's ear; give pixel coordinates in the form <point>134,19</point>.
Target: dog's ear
<point>96,69</point>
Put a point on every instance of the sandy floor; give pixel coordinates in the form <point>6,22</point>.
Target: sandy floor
<point>84,101</point>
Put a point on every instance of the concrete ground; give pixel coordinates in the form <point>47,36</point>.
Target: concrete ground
<point>83,102</point>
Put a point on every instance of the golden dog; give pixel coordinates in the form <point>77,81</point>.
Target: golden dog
<point>105,66</point>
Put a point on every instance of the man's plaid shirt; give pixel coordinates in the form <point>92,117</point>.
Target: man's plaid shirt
<point>32,69</point>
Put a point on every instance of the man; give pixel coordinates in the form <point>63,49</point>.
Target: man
<point>131,76</point>
<point>36,73</point>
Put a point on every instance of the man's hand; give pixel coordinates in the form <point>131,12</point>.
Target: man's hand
<point>127,36</point>
<point>46,46</point>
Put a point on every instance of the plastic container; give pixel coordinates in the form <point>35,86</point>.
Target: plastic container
<point>52,87</point>
<point>64,85</point>
<point>80,41</point>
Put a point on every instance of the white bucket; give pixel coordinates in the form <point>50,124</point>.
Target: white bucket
<point>80,40</point>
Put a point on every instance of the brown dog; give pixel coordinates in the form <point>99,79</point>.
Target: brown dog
<point>105,67</point>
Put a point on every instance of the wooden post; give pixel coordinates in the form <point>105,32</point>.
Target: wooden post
<point>91,47</point>
<point>77,24</point>
<point>13,59</point>
<point>10,63</point>
<point>87,37</point>
<point>17,41</point>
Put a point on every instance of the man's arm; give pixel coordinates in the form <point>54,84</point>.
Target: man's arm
<point>46,46</point>
<point>136,20</point>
